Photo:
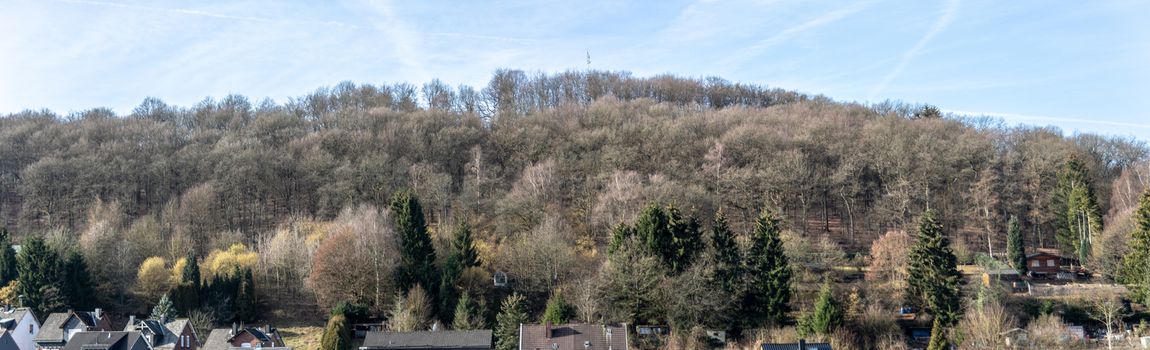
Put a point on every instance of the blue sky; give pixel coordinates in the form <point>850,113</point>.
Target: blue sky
<point>1079,65</point>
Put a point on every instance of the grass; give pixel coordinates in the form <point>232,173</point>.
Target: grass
<point>307,338</point>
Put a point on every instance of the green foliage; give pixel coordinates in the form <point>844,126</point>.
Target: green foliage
<point>461,257</point>
<point>247,307</point>
<point>827,316</point>
<point>354,312</point>
<point>938,336</point>
<point>727,257</point>
<point>558,311</point>
<point>191,273</point>
<point>76,286</point>
<point>619,236</point>
<point>39,268</point>
<point>1080,217</point>
<point>468,314</point>
<point>417,254</point>
<point>933,281</point>
<point>8,270</point>
<point>665,233</point>
<point>164,309</point>
<point>1136,264</point>
<point>1015,246</point>
<point>768,275</point>
<point>512,313</point>
<point>337,334</point>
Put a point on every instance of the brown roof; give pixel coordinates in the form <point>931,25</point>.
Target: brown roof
<point>571,337</point>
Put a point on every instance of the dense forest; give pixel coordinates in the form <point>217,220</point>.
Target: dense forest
<point>540,176</point>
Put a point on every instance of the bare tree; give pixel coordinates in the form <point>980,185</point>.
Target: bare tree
<point>1108,308</point>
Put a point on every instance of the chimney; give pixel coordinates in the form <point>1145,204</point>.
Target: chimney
<point>235,329</point>
<point>802,343</point>
<point>547,328</point>
<point>97,314</point>
<point>132,321</point>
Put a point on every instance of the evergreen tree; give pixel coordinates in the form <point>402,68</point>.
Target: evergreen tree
<point>461,257</point>
<point>39,268</point>
<point>768,275</point>
<point>558,311</point>
<point>512,313</point>
<point>727,257</point>
<point>1136,264</point>
<point>337,334</point>
<point>1015,246</point>
<point>76,288</point>
<point>191,273</point>
<point>933,278</point>
<point>8,271</point>
<point>827,316</point>
<point>619,236</point>
<point>417,255</point>
<point>1079,216</point>
<point>668,235</point>
<point>468,314</point>
<point>164,310</point>
<point>247,308</point>
<point>186,294</point>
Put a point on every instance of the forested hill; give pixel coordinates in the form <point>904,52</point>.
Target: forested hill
<point>576,151</point>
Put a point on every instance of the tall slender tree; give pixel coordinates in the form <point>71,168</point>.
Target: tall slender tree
<point>39,268</point>
<point>727,257</point>
<point>461,257</point>
<point>337,334</point>
<point>1015,246</point>
<point>512,313</point>
<point>827,316</point>
<point>768,275</point>
<point>1136,264</point>
<point>8,271</point>
<point>933,278</point>
<point>76,286</point>
<point>417,254</point>
<point>1079,216</point>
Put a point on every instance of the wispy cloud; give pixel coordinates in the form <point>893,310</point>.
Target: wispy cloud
<point>787,34</point>
<point>908,56</point>
<point>1060,120</point>
<point>201,13</point>
<point>405,40</point>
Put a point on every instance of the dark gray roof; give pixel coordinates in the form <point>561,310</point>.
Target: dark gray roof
<point>52,331</point>
<point>428,340</point>
<point>7,343</point>
<point>106,340</point>
<point>795,346</point>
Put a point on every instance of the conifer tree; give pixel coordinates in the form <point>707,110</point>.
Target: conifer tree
<point>337,334</point>
<point>39,268</point>
<point>933,278</point>
<point>665,233</point>
<point>461,257</point>
<point>727,257</point>
<point>1079,216</point>
<point>827,315</point>
<point>186,294</point>
<point>8,272</point>
<point>619,236</point>
<point>164,309</point>
<point>937,336</point>
<point>512,313</point>
<point>191,273</point>
<point>768,275</point>
<point>1015,246</point>
<point>417,255</point>
<point>1136,264</point>
<point>468,314</point>
<point>247,308</point>
<point>77,282</point>
<point>558,311</point>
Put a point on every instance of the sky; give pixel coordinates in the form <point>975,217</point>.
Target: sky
<point>1083,66</point>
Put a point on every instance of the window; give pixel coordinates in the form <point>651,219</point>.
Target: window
<point>1035,263</point>
<point>30,329</point>
<point>1050,263</point>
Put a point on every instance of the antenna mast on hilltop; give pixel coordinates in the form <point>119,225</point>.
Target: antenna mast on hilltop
<point>588,59</point>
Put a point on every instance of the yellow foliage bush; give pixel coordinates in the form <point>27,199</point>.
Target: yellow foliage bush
<point>228,261</point>
<point>154,278</point>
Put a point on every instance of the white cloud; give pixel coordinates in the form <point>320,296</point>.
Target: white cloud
<point>939,25</point>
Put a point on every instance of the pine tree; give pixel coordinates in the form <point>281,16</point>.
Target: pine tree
<point>247,308</point>
<point>727,257</point>
<point>558,311</point>
<point>828,313</point>
<point>1136,264</point>
<point>1015,246</point>
<point>468,314</point>
<point>512,313</point>
<point>1079,216</point>
<point>619,236</point>
<point>39,268</point>
<point>186,294</point>
<point>191,273</point>
<point>76,288</point>
<point>461,257</point>
<point>417,255</point>
<point>337,334</point>
<point>164,310</point>
<point>665,233</point>
<point>768,275</point>
<point>8,271</point>
<point>933,278</point>
<point>937,336</point>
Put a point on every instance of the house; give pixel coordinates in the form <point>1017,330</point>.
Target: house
<point>801,345</point>
<point>267,338</point>
<point>1047,264</point>
<point>107,341</point>
<point>463,340</point>
<point>21,324</point>
<point>177,334</point>
<point>61,326</point>
<point>572,337</point>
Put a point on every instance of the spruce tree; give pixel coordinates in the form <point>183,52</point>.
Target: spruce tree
<point>665,233</point>
<point>461,257</point>
<point>164,310</point>
<point>336,335</point>
<point>8,271</point>
<point>39,268</point>
<point>417,254</point>
<point>77,283</point>
<point>512,313</point>
<point>558,311</point>
<point>1015,246</point>
<point>247,308</point>
<point>933,278</point>
<point>468,314</point>
<point>619,236</point>
<point>727,257</point>
<point>1136,264</point>
<point>1079,216</point>
<point>769,274</point>
<point>191,273</point>
<point>828,314</point>
<point>186,294</point>
<point>937,336</point>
